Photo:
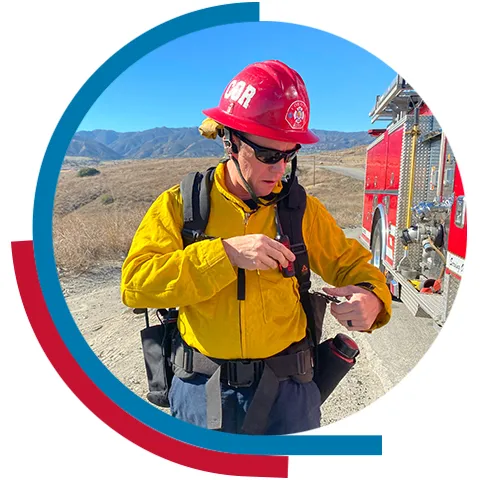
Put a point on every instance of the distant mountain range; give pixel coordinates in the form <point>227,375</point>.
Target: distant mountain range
<point>183,142</point>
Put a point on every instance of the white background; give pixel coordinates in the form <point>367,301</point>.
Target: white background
<point>429,422</point>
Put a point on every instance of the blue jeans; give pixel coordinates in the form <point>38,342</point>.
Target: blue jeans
<point>296,408</point>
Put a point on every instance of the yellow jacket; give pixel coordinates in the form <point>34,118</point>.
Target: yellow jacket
<point>159,273</point>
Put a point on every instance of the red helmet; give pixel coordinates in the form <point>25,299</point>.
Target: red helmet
<point>268,99</point>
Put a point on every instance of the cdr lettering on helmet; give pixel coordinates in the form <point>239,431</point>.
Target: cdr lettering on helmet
<point>240,92</point>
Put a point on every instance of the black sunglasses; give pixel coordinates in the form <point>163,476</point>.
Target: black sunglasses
<point>269,155</point>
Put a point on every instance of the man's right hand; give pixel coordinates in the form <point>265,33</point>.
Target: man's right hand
<point>257,252</point>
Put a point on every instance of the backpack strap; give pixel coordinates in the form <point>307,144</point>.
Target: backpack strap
<point>290,211</point>
<point>195,190</point>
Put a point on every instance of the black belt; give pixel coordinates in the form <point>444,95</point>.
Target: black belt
<point>294,362</point>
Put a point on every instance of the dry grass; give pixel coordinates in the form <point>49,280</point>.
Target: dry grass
<point>83,240</point>
<point>130,182</point>
<point>354,157</point>
<point>88,233</point>
<point>341,195</point>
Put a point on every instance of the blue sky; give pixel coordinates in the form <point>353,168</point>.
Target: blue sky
<point>171,85</point>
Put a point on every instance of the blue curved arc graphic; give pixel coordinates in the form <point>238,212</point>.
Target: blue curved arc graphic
<point>50,285</point>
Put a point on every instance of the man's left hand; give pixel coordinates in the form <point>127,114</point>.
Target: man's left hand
<point>360,309</point>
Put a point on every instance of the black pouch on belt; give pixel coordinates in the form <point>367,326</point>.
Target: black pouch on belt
<point>319,306</point>
<point>334,358</point>
<point>157,346</point>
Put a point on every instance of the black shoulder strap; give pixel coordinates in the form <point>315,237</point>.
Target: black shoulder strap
<point>195,190</point>
<point>290,211</point>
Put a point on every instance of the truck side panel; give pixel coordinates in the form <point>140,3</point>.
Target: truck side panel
<point>376,166</point>
<point>457,236</point>
<point>395,140</point>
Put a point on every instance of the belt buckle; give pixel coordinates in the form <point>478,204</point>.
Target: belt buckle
<point>188,359</point>
<point>301,361</point>
<point>240,373</point>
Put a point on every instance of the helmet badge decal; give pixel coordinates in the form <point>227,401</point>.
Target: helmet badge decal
<point>297,114</point>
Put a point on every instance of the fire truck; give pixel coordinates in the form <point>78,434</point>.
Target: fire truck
<point>414,211</point>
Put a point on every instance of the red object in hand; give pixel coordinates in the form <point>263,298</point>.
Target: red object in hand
<point>289,271</point>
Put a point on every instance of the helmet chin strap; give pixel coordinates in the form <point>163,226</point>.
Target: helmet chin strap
<point>248,188</point>
<point>245,183</point>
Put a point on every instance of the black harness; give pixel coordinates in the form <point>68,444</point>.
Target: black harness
<point>166,354</point>
<point>296,361</point>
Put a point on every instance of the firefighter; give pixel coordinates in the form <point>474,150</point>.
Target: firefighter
<point>235,307</point>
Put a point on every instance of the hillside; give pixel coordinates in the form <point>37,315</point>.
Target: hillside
<point>182,142</point>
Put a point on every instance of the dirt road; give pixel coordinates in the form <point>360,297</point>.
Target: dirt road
<point>355,172</point>
<point>112,331</point>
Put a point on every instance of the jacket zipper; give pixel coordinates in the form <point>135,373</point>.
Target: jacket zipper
<point>245,221</point>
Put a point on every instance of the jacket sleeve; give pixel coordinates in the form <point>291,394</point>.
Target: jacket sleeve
<point>159,273</point>
<point>341,261</point>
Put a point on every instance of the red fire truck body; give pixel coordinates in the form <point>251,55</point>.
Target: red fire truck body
<point>414,218</point>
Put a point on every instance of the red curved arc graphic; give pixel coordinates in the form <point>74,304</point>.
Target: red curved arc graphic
<point>110,413</point>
